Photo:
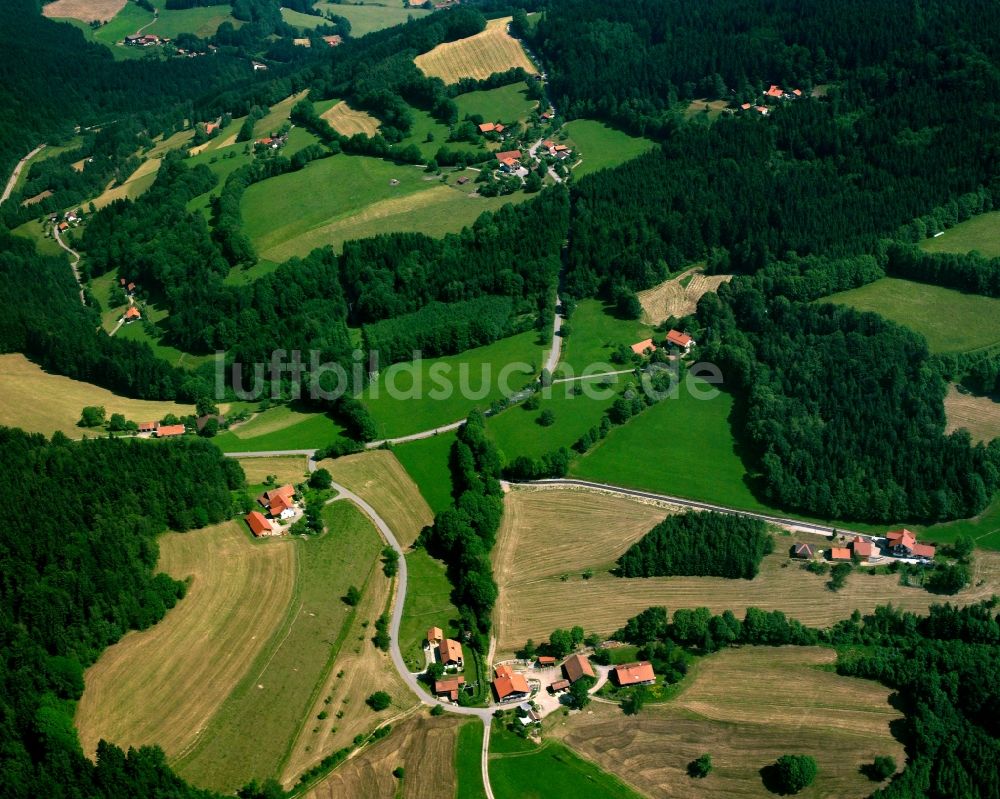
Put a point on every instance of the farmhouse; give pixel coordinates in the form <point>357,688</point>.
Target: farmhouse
<point>332,41</point>
<point>508,156</point>
<point>774,92</point>
<point>763,110</point>
<point>840,553</point>
<point>802,551</point>
<point>903,543</point>
<point>680,340</point>
<point>449,687</point>
<point>434,636</point>
<point>148,427</point>
<point>509,685</point>
<point>131,314</point>
<point>258,525</point>
<point>633,674</point>
<point>301,42</point>
<point>577,666</point>
<point>746,107</point>
<point>863,548</point>
<point>168,430</point>
<point>644,347</point>
<point>450,653</point>
<point>279,502</point>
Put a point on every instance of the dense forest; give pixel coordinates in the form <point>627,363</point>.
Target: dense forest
<point>708,544</point>
<point>77,563</point>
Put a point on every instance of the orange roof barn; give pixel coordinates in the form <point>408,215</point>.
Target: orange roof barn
<point>258,524</point>
<point>634,673</point>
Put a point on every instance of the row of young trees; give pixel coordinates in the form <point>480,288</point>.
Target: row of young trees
<point>694,543</point>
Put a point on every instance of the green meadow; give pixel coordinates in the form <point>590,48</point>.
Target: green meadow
<point>281,427</point>
<point>426,461</point>
<point>202,21</point>
<point>950,320</point>
<point>981,233</point>
<point>436,392</point>
<point>35,231</point>
<point>601,147</point>
<point>552,770</point>
<point>468,764</point>
<point>593,335</point>
<point>429,135</point>
<point>506,104</point>
<point>428,604</point>
<point>367,17</point>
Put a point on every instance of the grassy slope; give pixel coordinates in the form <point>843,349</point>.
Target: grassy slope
<point>428,604</point>
<point>980,233</point>
<point>594,335</point>
<point>424,124</point>
<point>274,697</point>
<point>411,382</point>
<point>467,761</point>
<point>46,245</point>
<point>601,147</point>
<point>201,21</point>
<point>372,16</point>
<point>506,104</point>
<point>426,461</point>
<point>280,428</point>
<point>950,320</point>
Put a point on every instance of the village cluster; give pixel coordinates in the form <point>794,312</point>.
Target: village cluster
<point>895,544</point>
<point>278,506</point>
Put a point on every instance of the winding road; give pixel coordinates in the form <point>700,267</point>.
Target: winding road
<point>73,264</point>
<point>9,188</point>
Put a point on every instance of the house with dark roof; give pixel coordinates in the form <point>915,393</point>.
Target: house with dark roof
<point>577,666</point>
<point>559,685</point>
<point>803,551</point>
<point>640,673</point>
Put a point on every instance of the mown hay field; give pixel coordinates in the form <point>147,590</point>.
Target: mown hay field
<point>479,56</point>
<point>550,533</point>
<point>347,122</point>
<point>163,685</point>
<point>424,746</point>
<point>979,415</point>
<point>678,296</point>
<point>83,10</point>
<point>39,402</point>
<point>842,722</point>
<point>284,469</point>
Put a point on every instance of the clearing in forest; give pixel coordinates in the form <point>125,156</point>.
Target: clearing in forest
<point>479,56</point>
<point>842,722</point>
<point>163,685</point>
<point>83,10</point>
<point>347,122</point>
<point>979,415</point>
<point>678,296</point>
<point>981,233</point>
<point>40,402</point>
<point>555,533</point>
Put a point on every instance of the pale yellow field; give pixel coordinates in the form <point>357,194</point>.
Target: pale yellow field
<point>840,721</point>
<point>83,10</point>
<point>979,415</point>
<point>39,402</point>
<point>164,684</point>
<point>423,745</point>
<point>479,56</point>
<point>346,121</point>
<point>380,479</point>
<point>670,298</point>
<point>549,533</point>
<point>285,469</point>
<point>137,183</point>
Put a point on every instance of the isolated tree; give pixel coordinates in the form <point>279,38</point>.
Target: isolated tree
<point>92,416</point>
<point>547,418</point>
<point>353,596</point>
<point>882,768</point>
<point>580,692</point>
<point>206,405</point>
<point>320,479</point>
<point>117,423</point>
<point>398,772</point>
<point>792,773</point>
<point>379,700</point>
<point>210,429</point>
<point>700,767</point>
<point>437,710</point>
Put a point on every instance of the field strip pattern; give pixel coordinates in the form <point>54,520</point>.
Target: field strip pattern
<point>478,56</point>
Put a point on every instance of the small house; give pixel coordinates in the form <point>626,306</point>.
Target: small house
<point>131,314</point>
<point>211,127</point>
<point>746,107</point>
<point>279,502</point>
<point>763,110</point>
<point>449,687</point>
<point>803,551</point>
<point>527,715</point>
<point>450,653</point>
<point>644,347</point>
<point>434,636</point>
<point>577,666</point>
<point>839,554</point>
<point>680,340</point>
<point>863,548</point>
<point>774,92</point>
<point>487,127</point>
<point>509,685</point>
<point>258,525</point>
<point>258,66</point>
<point>169,430</point>
<point>509,155</point>
<point>633,674</point>
<point>462,181</point>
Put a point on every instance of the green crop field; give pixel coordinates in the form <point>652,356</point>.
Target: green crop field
<point>426,461</point>
<point>950,320</point>
<point>369,17</point>
<point>601,146</point>
<point>594,335</point>
<point>274,697</point>
<point>349,197</point>
<point>981,233</point>
<point>280,428</point>
<point>506,104</point>
<point>428,604</point>
<point>468,765</point>
<point>433,393</point>
<point>517,432</point>
<point>553,771</point>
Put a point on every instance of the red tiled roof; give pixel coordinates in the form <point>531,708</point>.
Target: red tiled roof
<point>258,524</point>
<point>642,347</point>
<point>499,128</point>
<point>797,92</point>
<point>487,127</point>
<point>449,685</point>
<point>508,161</point>
<point>514,684</point>
<point>132,313</point>
<point>840,553</point>
<point>131,286</point>
<point>170,430</point>
<point>862,548</point>
<point>333,40</point>
<point>679,339</point>
<point>923,550</point>
<point>577,666</point>
<point>148,427</point>
<point>279,504</point>
<point>450,651</point>
<point>901,537</point>
<point>515,154</point>
<point>746,106</point>
<point>559,685</point>
<point>774,91</point>
<point>634,673</point>
<point>761,109</point>
<point>434,634</point>
<point>546,660</point>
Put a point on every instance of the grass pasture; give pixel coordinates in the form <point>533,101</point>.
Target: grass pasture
<point>553,771</point>
<point>506,104</point>
<point>678,296</point>
<point>40,402</point>
<point>550,533</point>
<point>428,604</point>
<point>419,395</point>
<point>202,21</point>
<point>284,468</point>
<point>281,427</point>
<point>468,762</point>
<point>594,335</point>
<point>44,243</point>
<point>981,233</point>
<point>347,122</point>
<point>251,734</point>
<point>83,10</point>
<point>479,56</point>
<point>979,415</point>
<point>841,721</point>
<point>164,685</point>
<point>426,461</point>
<point>136,183</point>
<point>380,480</point>
<point>601,146</point>
<point>950,320</point>
<point>710,109</point>
<point>423,745</point>
<point>367,17</point>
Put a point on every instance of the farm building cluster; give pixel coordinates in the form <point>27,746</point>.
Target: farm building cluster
<point>675,341</point>
<point>774,94</point>
<point>901,544</point>
<point>144,40</point>
<point>277,505</point>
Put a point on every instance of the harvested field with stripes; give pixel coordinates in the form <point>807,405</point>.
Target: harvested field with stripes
<point>678,296</point>
<point>346,121</point>
<point>83,10</point>
<point>479,56</point>
<point>979,415</point>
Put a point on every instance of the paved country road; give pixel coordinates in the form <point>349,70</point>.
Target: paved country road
<point>9,188</point>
